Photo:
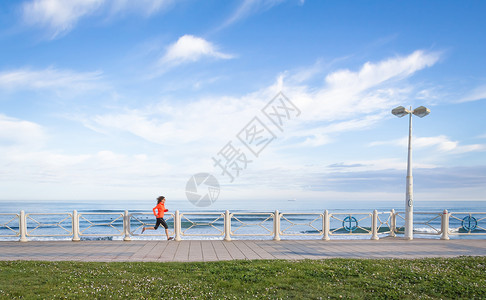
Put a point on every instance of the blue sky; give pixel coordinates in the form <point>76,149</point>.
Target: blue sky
<point>114,99</point>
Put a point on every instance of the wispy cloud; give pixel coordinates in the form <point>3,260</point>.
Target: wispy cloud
<point>248,8</point>
<point>478,93</point>
<point>189,48</point>
<point>372,74</point>
<point>59,16</point>
<point>144,7</point>
<point>347,101</point>
<point>50,78</point>
<point>20,133</point>
<point>195,129</point>
<point>441,143</point>
<point>28,158</point>
<point>354,100</point>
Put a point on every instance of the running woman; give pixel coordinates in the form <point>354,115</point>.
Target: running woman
<point>159,215</point>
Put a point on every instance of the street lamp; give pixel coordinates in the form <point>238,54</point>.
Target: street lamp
<point>400,112</point>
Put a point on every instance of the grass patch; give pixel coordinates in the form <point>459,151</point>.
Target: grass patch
<point>432,278</point>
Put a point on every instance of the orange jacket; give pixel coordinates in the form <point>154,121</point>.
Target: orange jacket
<point>160,210</point>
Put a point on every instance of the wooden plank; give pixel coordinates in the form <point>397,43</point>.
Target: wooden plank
<point>221,251</point>
<point>233,251</point>
<point>256,247</point>
<point>182,253</point>
<point>144,251</point>
<point>169,251</point>
<point>208,252</point>
<point>247,251</point>
<point>195,251</point>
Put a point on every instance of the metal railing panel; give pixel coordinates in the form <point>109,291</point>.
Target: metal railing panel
<point>252,224</point>
<point>345,224</point>
<point>140,220</point>
<point>9,225</point>
<point>296,224</point>
<point>100,224</point>
<point>42,224</point>
<point>427,223</point>
<point>464,223</point>
<point>384,222</point>
<point>209,224</point>
<point>256,224</point>
<point>400,222</point>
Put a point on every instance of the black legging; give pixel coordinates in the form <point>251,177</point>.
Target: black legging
<point>160,221</point>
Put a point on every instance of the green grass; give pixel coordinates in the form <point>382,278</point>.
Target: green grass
<point>436,278</point>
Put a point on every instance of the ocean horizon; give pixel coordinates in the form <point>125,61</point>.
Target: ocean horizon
<point>287,205</point>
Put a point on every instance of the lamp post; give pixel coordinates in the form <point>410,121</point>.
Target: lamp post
<point>400,112</point>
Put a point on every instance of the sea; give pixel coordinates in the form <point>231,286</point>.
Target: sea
<point>300,219</point>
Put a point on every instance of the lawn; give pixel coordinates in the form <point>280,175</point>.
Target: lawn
<point>435,278</point>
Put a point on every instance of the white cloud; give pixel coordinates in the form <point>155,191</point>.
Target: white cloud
<point>352,100</point>
<point>375,86</point>
<point>441,143</point>
<point>213,119</point>
<point>50,78</point>
<point>478,93</point>
<point>189,48</point>
<point>372,74</point>
<point>193,130</point>
<point>330,109</point>
<point>248,8</point>
<point>145,7</point>
<point>60,16</point>
<point>15,133</point>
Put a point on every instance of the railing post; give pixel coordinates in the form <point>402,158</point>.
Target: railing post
<point>23,227</point>
<point>276,226</point>
<point>75,226</point>
<point>227,226</point>
<point>126,226</point>
<point>445,225</point>
<point>177,226</point>
<point>325,225</point>
<point>374,225</point>
<point>393,223</point>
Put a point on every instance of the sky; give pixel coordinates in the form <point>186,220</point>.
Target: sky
<point>127,100</point>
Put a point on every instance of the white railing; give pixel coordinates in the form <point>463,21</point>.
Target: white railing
<point>385,223</point>
<point>252,224</point>
<point>140,220</point>
<point>350,224</point>
<point>463,223</point>
<point>44,224</point>
<point>428,223</point>
<point>295,224</point>
<point>240,224</point>
<point>7,226</point>
<point>212,224</point>
<point>100,224</point>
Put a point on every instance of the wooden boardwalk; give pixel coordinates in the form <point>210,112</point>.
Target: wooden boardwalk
<point>210,250</point>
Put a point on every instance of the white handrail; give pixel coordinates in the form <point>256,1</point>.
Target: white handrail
<point>295,224</point>
<point>41,225</point>
<point>240,224</point>
<point>433,223</point>
<point>92,224</point>
<point>350,224</point>
<point>210,224</point>
<point>8,227</point>
<point>257,224</point>
<point>140,223</point>
<point>469,223</point>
